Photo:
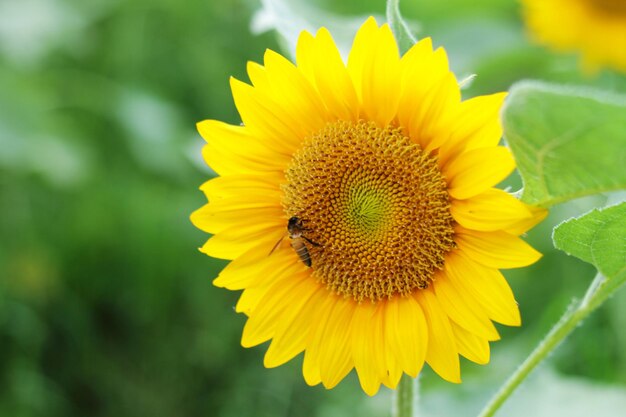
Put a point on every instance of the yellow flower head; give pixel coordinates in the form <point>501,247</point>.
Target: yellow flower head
<point>595,28</point>
<point>356,203</point>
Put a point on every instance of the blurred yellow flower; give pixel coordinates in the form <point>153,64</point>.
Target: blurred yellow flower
<point>356,203</point>
<point>594,28</point>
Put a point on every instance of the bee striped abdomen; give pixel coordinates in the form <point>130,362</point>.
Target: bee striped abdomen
<point>301,250</point>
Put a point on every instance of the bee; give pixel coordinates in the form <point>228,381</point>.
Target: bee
<point>296,229</point>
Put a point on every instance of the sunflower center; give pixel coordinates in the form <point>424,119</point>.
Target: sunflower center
<point>374,209</point>
<point>609,6</point>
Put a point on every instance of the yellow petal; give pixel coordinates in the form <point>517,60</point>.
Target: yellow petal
<point>264,277</point>
<point>486,285</point>
<point>232,150</point>
<point>432,125</point>
<point>461,309</point>
<point>492,210</point>
<point>245,201</point>
<point>406,332</point>
<point>296,98</point>
<point>421,63</point>
<point>238,185</point>
<point>292,331</point>
<point>263,117</point>
<point>249,207</point>
<point>394,370</point>
<point>258,75</point>
<point>361,52</point>
<point>366,350</point>
<point>311,365</point>
<point>381,78</point>
<point>332,79</point>
<point>423,72</point>
<point>441,354</point>
<point>335,351</point>
<point>305,56</point>
<point>254,267</point>
<point>235,241</point>
<point>476,171</point>
<point>496,249</point>
<point>380,351</point>
<point>249,299</point>
<point>430,95</point>
<point>472,347</point>
<point>476,125</point>
<point>209,220</point>
<point>310,369</point>
<point>538,214</point>
<point>263,319</point>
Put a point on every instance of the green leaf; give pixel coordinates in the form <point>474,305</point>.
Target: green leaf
<point>598,237</point>
<point>568,142</point>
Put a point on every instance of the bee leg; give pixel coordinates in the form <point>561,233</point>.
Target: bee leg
<point>275,246</point>
<point>311,242</point>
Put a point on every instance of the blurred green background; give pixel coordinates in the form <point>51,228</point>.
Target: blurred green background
<point>106,306</point>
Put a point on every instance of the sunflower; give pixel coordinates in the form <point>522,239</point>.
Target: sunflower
<point>356,203</point>
<point>595,28</point>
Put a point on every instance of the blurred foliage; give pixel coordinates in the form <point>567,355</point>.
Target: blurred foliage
<point>106,307</point>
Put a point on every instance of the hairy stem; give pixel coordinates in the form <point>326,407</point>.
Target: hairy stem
<point>405,397</point>
<point>597,293</point>
<point>399,27</point>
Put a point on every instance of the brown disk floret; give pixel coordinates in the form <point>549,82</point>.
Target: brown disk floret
<point>376,206</point>
<point>610,7</point>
